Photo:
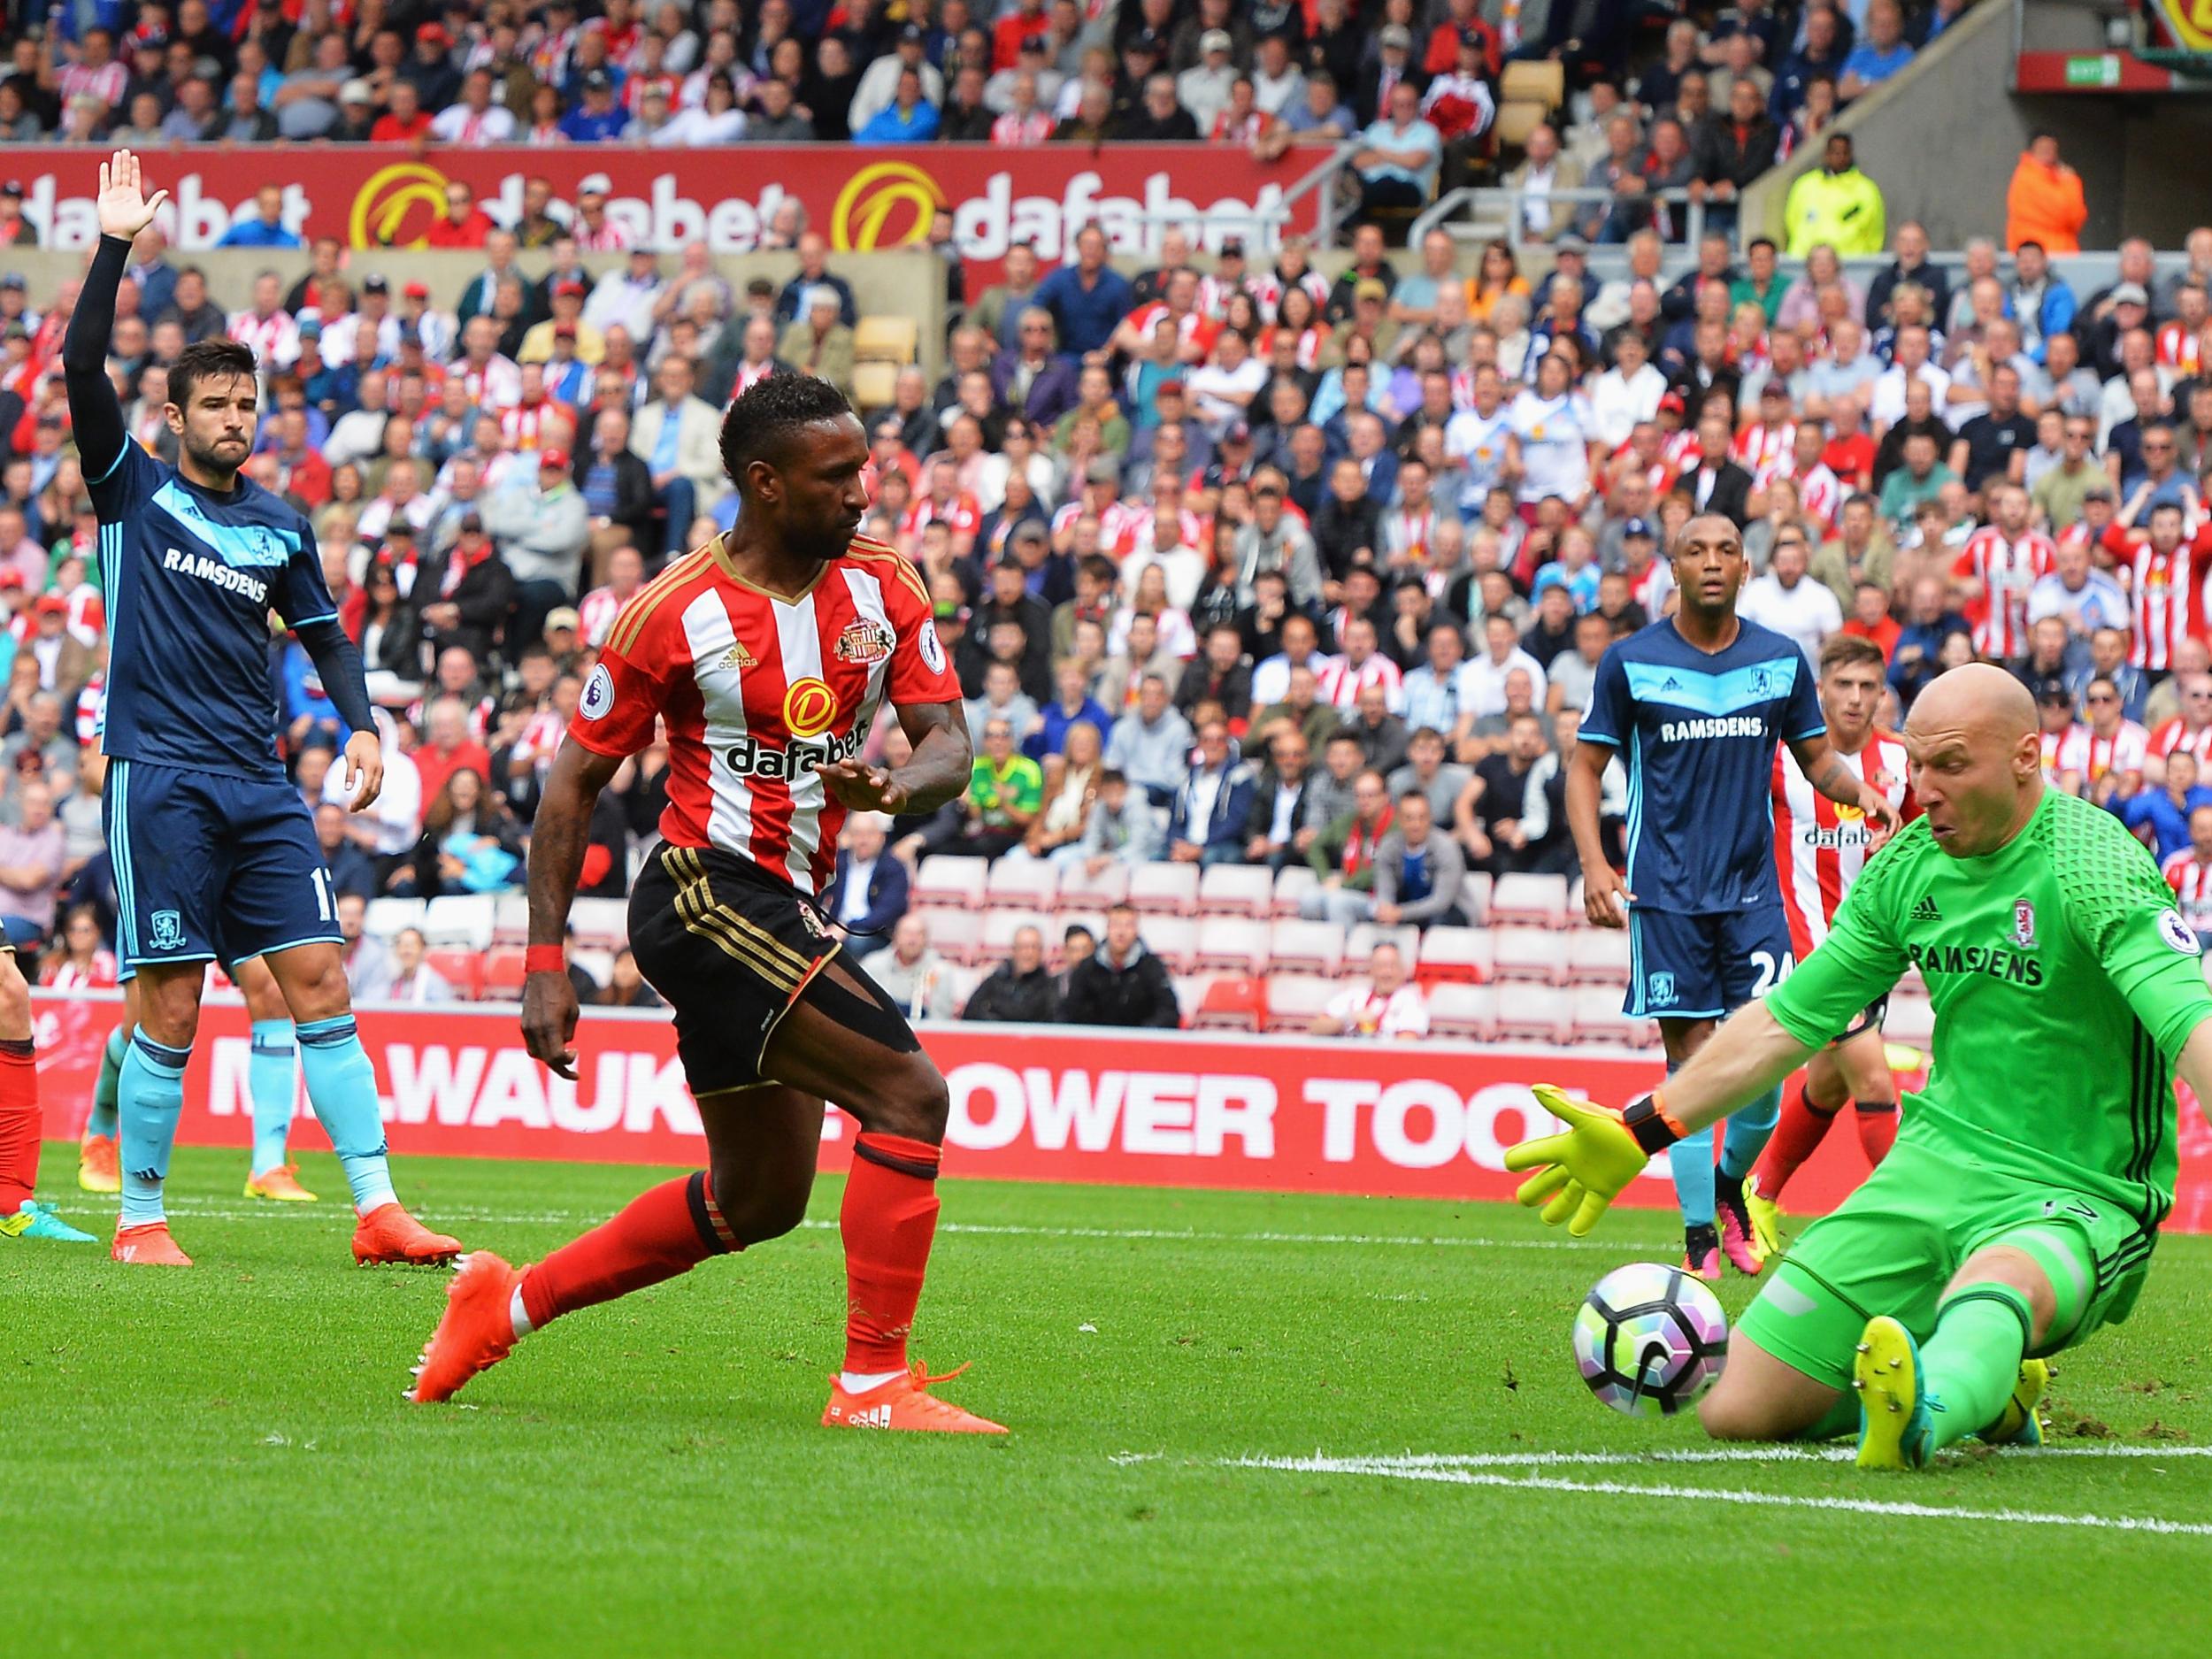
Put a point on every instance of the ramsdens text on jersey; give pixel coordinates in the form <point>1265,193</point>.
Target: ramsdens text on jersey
<point>215,571</point>
<point>1992,960</point>
<point>1714,725</point>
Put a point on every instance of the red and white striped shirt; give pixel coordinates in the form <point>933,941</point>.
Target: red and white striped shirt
<point>1763,451</point>
<point>2007,570</point>
<point>2166,591</point>
<point>1339,683</point>
<point>2169,735</point>
<point>2091,757</point>
<point>1268,287</point>
<point>1016,131</point>
<point>759,691</point>
<point>1680,451</point>
<point>1819,846</point>
<point>275,339</point>
<point>596,612</point>
<point>1819,492</point>
<point>66,975</point>
<point>1193,327</point>
<point>107,83</point>
<point>2192,882</point>
<point>612,236</point>
<point>2178,349</point>
<point>525,425</point>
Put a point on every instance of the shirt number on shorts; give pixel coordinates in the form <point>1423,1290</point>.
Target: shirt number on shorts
<point>1771,971</point>
<point>328,911</point>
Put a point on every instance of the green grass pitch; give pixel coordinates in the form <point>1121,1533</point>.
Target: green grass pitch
<point>219,1462</point>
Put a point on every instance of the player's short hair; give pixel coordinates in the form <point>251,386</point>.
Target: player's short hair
<point>1849,650</point>
<point>762,420</point>
<point>211,359</point>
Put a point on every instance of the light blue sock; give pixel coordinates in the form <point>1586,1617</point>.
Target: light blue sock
<point>103,1091</point>
<point>1691,1158</point>
<point>1746,1134</point>
<point>271,1076</point>
<point>341,1088</point>
<point>150,1100</point>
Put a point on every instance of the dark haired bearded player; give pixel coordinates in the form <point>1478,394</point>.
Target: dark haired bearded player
<point>215,856</point>
<point>766,652</point>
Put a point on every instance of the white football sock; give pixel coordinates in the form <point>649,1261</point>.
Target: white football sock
<point>518,1313</point>
<point>857,1382</point>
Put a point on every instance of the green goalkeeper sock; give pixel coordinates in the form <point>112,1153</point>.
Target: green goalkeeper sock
<point>1969,1365</point>
<point>1842,1418</point>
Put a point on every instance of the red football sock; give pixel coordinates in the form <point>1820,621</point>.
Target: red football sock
<point>888,1219</point>
<point>19,1125</point>
<point>662,1232</point>
<point>1796,1137</point>
<point>1878,1128</point>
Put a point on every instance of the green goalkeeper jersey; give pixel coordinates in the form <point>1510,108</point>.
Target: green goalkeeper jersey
<point>2065,984</point>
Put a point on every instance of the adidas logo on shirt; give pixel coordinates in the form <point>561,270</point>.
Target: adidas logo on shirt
<point>1926,910</point>
<point>738,656</point>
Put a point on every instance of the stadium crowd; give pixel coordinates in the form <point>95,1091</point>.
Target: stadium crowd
<point>1663,107</point>
<point>1240,563</point>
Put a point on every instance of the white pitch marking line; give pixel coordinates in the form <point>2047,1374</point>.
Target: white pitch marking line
<point>308,1212</point>
<point>1402,1469</point>
<point>1713,1455</point>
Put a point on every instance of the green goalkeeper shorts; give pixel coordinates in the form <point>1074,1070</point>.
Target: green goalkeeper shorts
<point>1895,1245</point>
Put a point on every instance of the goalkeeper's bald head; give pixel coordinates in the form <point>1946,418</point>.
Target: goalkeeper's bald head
<point>1977,757</point>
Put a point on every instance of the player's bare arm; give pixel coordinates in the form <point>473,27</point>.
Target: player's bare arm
<point>1824,770</point>
<point>558,836</point>
<point>943,762</point>
<point>1605,896</point>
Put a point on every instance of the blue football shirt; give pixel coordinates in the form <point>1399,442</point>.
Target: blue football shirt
<point>1697,733</point>
<point>190,577</point>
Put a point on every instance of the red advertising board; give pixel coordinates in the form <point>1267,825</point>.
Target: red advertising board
<point>1423,1120</point>
<point>862,198</point>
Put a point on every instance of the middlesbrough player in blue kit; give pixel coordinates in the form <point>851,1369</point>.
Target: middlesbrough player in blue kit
<point>1693,705</point>
<point>215,856</point>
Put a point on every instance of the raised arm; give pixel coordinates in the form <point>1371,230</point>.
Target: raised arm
<point>96,414</point>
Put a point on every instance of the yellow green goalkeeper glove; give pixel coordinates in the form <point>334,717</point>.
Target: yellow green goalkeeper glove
<point>1582,1170</point>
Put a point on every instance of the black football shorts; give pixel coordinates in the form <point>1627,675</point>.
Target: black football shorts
<point>730,949</point>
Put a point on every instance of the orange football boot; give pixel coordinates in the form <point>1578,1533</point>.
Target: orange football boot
<point>148,1245</point>
<point>476,1331</point>
<point>389,1235</point>
<point>905,1403</point>
<point>282,1184</point>
<point>98,1169</point>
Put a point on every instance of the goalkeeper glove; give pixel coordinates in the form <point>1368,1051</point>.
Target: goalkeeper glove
<point>1582,1170</point>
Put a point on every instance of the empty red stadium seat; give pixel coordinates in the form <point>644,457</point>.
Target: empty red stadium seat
<point>1236,944</point>
<point>1464,1011</point>
<point>463,969</point>
<point>503,975</point>
<point>1167,889</point>
<point>1533,954</point>
<point>1294,999</point>
<point>1232,1002</point>
<point>1534,900</point>
<point>1236,890</point>
<point>950,881</point>
<point>1454,955</point>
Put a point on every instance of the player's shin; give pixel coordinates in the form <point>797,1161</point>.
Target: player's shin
<point>18,1124</point>
<point>102,1122</point>
<point>150,1099</point>
<point>1749,1126</point>
<point>1877,1127</point>
<point>1691,1159</point>
<point>1973,1359</point>
<point>272,1080</point>
<point>888,1220</point>
<point>1804,1123</point>
<point>341,1088</point>
<point>667,1231</point>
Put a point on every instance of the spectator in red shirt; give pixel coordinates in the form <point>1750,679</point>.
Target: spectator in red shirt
<point>464,225</point>
<point>1008,33</point>
<point>405,121</point>
<point>449,747</point>
<point>1869,618</point>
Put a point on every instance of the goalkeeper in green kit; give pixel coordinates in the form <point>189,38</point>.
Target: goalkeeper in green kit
<point>2020,1207</point>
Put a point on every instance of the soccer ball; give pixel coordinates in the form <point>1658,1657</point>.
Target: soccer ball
<point>1649,1340</point>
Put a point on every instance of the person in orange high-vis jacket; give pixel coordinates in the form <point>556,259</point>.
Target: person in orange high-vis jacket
<point>2044,202</point>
